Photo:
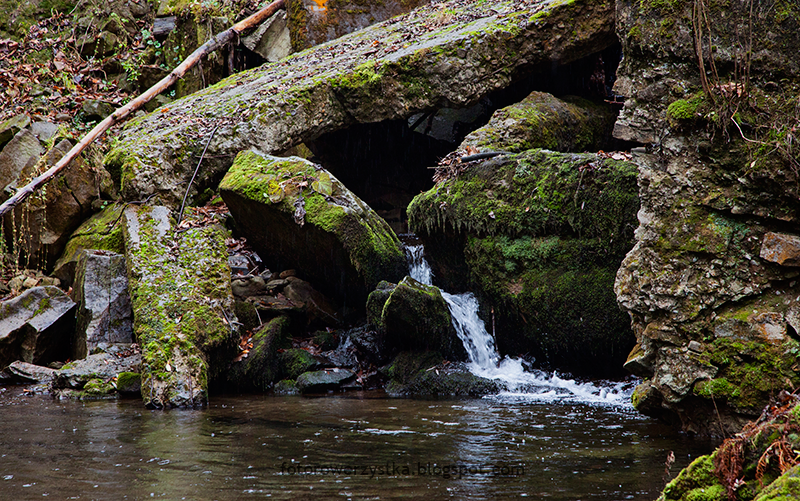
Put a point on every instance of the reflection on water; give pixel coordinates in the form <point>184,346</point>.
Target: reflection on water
<point>357,446</point>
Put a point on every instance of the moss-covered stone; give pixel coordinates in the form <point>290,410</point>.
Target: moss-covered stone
<point>412,373</point>
<point>286,387</point>
<point>129,382</point>
<point>543,121</point>
<point>299,216</point>
<point>295,362</point>
<point>264,364</point>
<point>183,306</point>
<point>538,236</point>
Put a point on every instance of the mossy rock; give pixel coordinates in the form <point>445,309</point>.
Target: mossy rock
<point>286,387</point>
<point>376,301</point>
<point>538,236</point>
<point>129,382</point>
<point>295,362</point>
<point>324,380</point>
<point>416,317</point>
<point>264,364</point>
<point>102,231</point>
<point>297,215</point>
<point>183,306</point>
<point>543,121</point>
<point>424,374</point>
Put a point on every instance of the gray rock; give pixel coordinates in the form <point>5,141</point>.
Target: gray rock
<point>271,40</point>
<point>104,307</point>
<point>363,83</point>
<point>12,126</point>
<point>104,366</point>
<point>22,152</point>
<point>94,109</point>
<point>324,380</point>
<point>251,286</point>
<point>36,326</point>
<point>45,131</point>
<point>24,372</point>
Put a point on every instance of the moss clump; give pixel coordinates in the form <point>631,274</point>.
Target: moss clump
<point>696,482</point>
<point>686,111</point>
<point>97,388</point>
<point>295,362</point>
<point>129,382</point>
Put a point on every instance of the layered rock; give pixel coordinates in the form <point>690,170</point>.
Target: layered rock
<point>538,236</point>
<point>416,64</point>
<point>183,306</point>
<point>711,285</point>
<point>296,215</point>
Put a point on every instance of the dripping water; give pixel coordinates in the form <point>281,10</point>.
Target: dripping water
<point>520,381</point>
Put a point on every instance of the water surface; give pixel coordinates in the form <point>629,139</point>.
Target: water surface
<point>351,446</point>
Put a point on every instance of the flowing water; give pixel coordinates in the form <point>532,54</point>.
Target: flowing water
<point>348,446</point>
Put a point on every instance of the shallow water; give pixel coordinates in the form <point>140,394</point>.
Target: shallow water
<point>351,446</point>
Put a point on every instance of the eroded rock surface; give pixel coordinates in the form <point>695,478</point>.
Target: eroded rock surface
<point>708,284</point>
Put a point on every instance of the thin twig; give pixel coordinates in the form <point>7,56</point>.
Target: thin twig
<point>196,170</point>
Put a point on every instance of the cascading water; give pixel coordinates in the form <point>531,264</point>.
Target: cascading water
<point>485,361</point>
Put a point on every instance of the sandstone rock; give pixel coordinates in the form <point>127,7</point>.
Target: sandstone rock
<point>251,286</point>
<point>446,62</point>
<point>50,219</point>
<point>543,121</point>
<point>183,306</point>
<point>104,314</point>
<point>295,214</point>
<point>36,326</point>
<point>781,248</point>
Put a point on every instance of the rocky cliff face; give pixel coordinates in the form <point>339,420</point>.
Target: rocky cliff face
<point>711,285</point>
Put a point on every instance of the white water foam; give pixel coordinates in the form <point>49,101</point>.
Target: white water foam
<point>522,383</point>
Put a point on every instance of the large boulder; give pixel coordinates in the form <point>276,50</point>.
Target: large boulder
<point>427,374</point>
<point>391,70</point>
<point>538,236</point>
<point>183,305</point>
<point>711,295</point>
<point>104,315</point>
<point>412,316</point>
<point>36,326</point>
<point>296,215</point>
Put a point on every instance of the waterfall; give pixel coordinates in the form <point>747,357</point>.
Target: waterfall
<point>485,361</point>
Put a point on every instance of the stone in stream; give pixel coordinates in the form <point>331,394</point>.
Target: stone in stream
<point>427,374</point>
<point>104,365</point>
<point>182,303</point>
<point>414,316</point>
<point>296,215</point>
<point>36,326</point>
<point>104,313</point>
<point>24,372</point>
<point>324,380</point>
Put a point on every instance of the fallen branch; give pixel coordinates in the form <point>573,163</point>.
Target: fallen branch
<point>122,113</point>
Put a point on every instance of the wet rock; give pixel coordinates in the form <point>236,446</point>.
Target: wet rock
<point>364,83</point>
<point>103,366</point>
<point>416,317</point>
<point>295,362</point>
<point>319,310</point>
<point>781,248</point>
<point>11,127</point>
<point>544,121</point>
<point>428,375</point>
<point>344,355</point>
<point>324,380</point>
<point>104,314</point>
<point>542,264</point>
<point>182,303</point>
<point>129,382</point>
<point>286,387</point>
<point>262,366</point>
<point>370,344</point>
<point>314,224</point>
<point>36,326</point>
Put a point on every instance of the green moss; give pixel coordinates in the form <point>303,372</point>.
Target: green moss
<point>686,111</point>
<point>295,362</point>
<point>694,482</point>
